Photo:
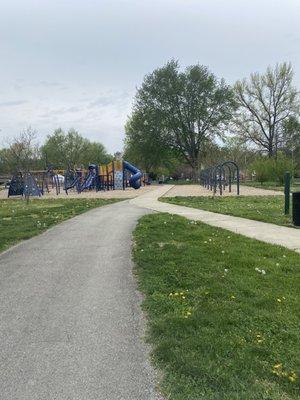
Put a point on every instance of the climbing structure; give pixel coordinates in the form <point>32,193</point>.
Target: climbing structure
<point>24,184</point>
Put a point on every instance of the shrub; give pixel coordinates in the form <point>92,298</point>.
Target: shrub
<point>262,168</point>
<point>281,165</point>
<point>272,169</point>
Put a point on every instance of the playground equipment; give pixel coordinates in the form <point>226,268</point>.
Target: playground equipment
<point>81,181</point>
<point>51,178</point>
<point>24,184</point>
<point>34,183</point>
<point>114,175</point>
<point>135,179</point>
<point>221,176</point>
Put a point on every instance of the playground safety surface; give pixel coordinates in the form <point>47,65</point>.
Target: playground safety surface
<point>197,190</point>
<point>176,190</point>
<point>129,193</point>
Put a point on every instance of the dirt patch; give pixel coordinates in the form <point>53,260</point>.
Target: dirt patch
<point>128,193</point>
<point>197,190</point>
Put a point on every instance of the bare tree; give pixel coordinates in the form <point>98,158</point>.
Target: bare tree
<point>265,101</point>
<point>23,151</point>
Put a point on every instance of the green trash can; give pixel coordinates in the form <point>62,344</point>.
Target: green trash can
<point>296,208</point>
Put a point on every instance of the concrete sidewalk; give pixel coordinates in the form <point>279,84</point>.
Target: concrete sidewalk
<point>269,233</point>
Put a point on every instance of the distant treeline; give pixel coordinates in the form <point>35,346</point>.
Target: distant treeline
<point>61,150</point>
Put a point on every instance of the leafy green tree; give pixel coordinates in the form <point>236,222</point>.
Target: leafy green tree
<point>187,108</point>
<point>265,102</point>
<point>291,145</point>
<point>96,153</point>
<point>3,165</point>
<point>144,144</point>
<point>282,164</point>
<point>53,151</point>
<point>71,149</point>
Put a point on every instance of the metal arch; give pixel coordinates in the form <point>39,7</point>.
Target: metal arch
<point>233,163</point>
<point>215,176</point>
<point>218,179</point>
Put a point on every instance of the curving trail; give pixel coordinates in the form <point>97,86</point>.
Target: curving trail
<point>70,322</point>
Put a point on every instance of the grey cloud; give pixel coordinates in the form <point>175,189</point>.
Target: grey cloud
<point>52,84</point>
<point>110,99</point>
<point>60,111</point>
<point>101,102</point>
<point>13,103</point>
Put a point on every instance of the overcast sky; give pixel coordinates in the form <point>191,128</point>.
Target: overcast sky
<point>77,63</point>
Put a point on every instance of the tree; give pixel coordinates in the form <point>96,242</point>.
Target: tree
<point>22,154</point>
<point>3,165</point>
<point>53,151</point>
<point>262,169</point>
<point>265,102</point>
<point>71,149</point>
<point>291,145</point>
<point>95,153</point>
<point>144,144</point>
<point>236,150</point>
<point>188,108</point>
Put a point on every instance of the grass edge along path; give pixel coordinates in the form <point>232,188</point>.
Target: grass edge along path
<point>20,221</point>
<point>259,208</point>
<point>271,186</point>
<point>223,311</point>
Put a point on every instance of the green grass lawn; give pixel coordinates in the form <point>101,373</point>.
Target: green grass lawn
<point>223,311</point>
<point>19,220</point>
<point>261,208</point>
<point>270,186</point>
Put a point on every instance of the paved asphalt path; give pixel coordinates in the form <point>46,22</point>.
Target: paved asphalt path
<point>70,323</point>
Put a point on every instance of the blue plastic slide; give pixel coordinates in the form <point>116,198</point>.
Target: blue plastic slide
<point>88,182</point>
<point>135,179</point>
